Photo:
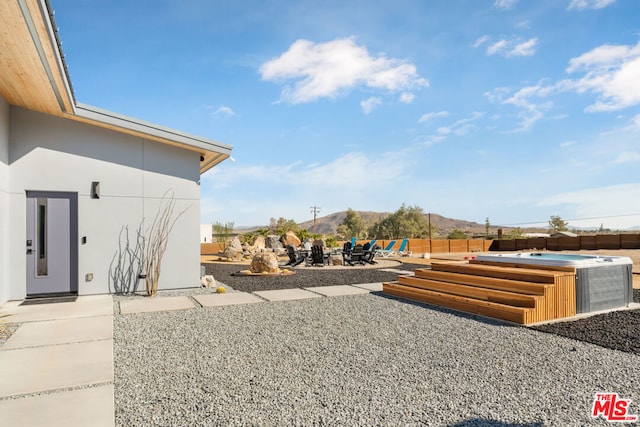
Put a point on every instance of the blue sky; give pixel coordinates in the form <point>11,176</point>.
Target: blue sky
<point>501,109</point>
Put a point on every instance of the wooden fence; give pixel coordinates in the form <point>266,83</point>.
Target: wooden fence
<point>421,246</point>
<point>599,241</point>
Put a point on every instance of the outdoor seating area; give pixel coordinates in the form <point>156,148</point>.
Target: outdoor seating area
<point>351,254</point>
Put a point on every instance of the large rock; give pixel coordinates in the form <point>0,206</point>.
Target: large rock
<point>232,253</point>
<point>264,262</point>
<point>290,238</point>
<point>259,243</point>
<point>319,242</point>
<point>273,242</point>
<point>235,244</point>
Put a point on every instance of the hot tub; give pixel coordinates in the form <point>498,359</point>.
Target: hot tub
<point>602,281</point>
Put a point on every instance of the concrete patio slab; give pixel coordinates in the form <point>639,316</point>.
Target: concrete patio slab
<point>36,369</point>
<point>398,271</point>
<point>84,306</point>
<point>373,287</point>
<point>338,291</point>
<point>62,331</point>
<point>286,294</point>
<point>231,298</point>
<point>82,407</point>
<point>148,304</point>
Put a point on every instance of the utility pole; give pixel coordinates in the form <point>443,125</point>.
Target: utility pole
<point>314,211</point>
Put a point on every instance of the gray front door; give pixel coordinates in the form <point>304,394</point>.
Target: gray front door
<point>52,243</point>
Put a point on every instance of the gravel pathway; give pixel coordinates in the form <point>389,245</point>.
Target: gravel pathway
<point>352,361</point>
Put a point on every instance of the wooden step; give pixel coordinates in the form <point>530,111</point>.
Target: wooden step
<point>502,297</point>
<point>485,282</point>
<point>499,272</point>
<point>522,265</point>
<point>520,315</point>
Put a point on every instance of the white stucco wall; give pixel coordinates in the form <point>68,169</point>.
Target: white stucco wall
<point>53,154</point>
<point>4,200</point>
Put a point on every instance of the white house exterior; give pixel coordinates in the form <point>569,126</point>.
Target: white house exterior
<point>74,178</point>
<point>206,233</point>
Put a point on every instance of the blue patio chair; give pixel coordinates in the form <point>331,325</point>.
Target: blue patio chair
<point>384,253</point>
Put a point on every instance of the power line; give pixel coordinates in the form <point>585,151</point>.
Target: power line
<point>577,219</point>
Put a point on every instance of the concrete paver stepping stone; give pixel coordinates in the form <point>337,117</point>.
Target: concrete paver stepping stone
<point>373,287</point>
<point>61,331</point>
<point>152,304</point>
<point>92,406</point>
<point>287,294</point>
<point>36,369</point>
<point>339,290</point>
<point>84,306</point>
<point>231,298</point>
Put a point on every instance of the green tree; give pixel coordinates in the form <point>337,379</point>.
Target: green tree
<point>409,222</point>
<point>516,233</point>
<point>457,235</point>
<point>352,225</point>
<point>282,225</point>
<point>222,232</point>
<point>557,224</point>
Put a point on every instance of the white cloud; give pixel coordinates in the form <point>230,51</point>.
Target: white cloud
<point>513,47</point>
<point>224,110</point>
<point>407,97</point>
<point>480,41</point>
<point>505,4</point>
<point>527,48</point>
<point>627,157</point>
<point>331,69</point>
<point>612,72</point>
<point>460,127</point>
<point>425,118</point>
<point>589,4</point>
<point>497,47</point>
<point>369,104</point>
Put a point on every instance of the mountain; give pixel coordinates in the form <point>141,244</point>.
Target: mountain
<point>329,224</point>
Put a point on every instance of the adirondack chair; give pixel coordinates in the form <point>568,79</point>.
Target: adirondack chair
<point>386,252</point>
<point>352,255</point>
<point>369,250</point>
<point>295,257</point>
<point>318,256</point>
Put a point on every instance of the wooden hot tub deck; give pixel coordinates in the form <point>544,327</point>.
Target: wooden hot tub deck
<point>517,293</point>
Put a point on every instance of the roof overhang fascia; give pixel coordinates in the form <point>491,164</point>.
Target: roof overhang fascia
<point>211,152</point>
<point>34,76</point>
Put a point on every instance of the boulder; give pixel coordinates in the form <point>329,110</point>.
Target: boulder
<point>259,244</point>
<point>207,282</point>
<point>235,244</point>
<point>336,261</point>
<point>232,253</point>
<point>265,262</point>
<point>273,242</point>
<point>290,238</point>
<point>319,242</point>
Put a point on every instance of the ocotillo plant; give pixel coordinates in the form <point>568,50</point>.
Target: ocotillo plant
<point>158,237</point>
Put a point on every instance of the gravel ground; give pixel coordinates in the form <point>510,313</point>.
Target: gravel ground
<point>364,360</point>
<point>304,277</point>
<point>358,360</point>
